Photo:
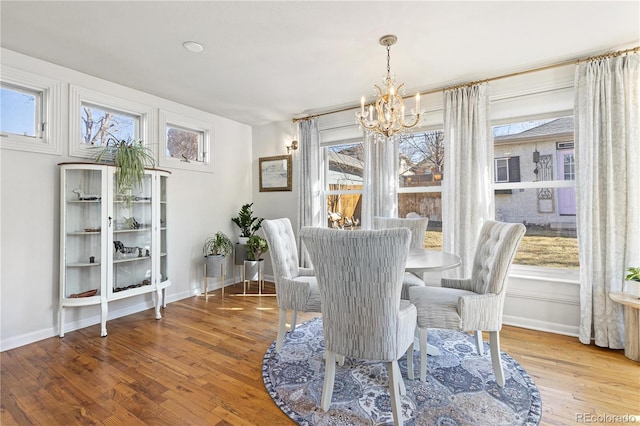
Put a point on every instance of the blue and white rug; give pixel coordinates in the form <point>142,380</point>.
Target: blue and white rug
<point>460,387</point>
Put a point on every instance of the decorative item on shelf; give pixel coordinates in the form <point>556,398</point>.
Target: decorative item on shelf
<point>387,118</point>
<point>256,246</point>
<point>247,222</point>
<point>633,281</point>
<point>130,157</point>
<point>87,293</point>
<point>131,223</point>
<point>92,259</point>
<point>84,197</point>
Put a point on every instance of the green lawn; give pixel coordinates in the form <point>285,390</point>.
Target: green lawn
<point>553,252</point>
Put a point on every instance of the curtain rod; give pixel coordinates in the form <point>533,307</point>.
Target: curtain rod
<point>513,74</point>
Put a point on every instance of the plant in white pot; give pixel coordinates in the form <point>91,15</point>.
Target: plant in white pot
<point>633,281</point>
<point>256,247</point>
<point>247,222</point>
<point>130,158</point>
<point>215,250</point>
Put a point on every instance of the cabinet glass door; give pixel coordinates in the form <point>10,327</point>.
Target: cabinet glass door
<point>163,229</point>
<point>83,236</point>
<point>131,239</point>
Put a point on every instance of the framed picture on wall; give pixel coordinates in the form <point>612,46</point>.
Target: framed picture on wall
<point>275,173</point>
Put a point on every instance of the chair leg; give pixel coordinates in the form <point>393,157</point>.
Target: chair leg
<point>410,373</point>
<point>494,343</point>
<point>423,353</point>
<point>394,389</point>
<point>479,344</point>
<point>329,378</point>
<point>282,323</point>
<point>294,320</point>
<point>340,359</point>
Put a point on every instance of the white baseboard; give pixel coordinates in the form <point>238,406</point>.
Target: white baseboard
<point>532,324</point>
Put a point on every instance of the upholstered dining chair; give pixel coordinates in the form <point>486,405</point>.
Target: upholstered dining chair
<point>360,278</point>
<point>475,303</point>
<point>296,287</point>
<point>418,228</point>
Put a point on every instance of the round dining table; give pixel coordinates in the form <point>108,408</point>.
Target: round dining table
<point>426,260</point>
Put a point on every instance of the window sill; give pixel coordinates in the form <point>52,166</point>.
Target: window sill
<point>539,273</point>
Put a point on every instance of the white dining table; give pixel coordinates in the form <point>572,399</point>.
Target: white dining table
<point>426,260</point>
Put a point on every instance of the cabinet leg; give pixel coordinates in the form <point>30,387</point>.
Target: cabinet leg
<point>103,319</point>
<point>61,321</point>
<point>158,303</point>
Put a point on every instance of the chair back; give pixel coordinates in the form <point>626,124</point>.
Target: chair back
<point>359,275</point>
<point>282,247</point>
<point>496,247</point>
<point>417,226</point>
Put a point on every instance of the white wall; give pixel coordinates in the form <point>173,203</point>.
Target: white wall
<point>199,205</point>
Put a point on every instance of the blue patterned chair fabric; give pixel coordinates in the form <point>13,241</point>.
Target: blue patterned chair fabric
<point>296,287</point>
<point>418,227</point>
<point>474,303</point>
<point>360,279</point>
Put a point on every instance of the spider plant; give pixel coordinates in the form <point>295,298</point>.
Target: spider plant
<point>130,158</point>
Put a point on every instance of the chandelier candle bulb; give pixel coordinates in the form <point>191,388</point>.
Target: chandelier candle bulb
<point>362,106</point>
<point>417,103</point>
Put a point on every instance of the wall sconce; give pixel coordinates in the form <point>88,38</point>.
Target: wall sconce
<point>292,147</point>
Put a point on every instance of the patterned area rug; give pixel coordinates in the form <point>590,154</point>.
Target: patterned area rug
<point>460,387</point>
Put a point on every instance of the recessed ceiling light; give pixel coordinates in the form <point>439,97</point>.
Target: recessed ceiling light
<point>193,46</point>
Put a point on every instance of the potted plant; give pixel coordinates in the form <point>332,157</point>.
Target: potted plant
<point>215,250</point>
<point>256,246</point>
<point>633,281</point>
<point>130,158</point>
<point>247,223</point>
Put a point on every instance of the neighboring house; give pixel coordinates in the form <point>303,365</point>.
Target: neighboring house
<point>541,153</point>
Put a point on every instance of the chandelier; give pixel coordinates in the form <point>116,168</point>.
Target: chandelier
<point>386,117</point>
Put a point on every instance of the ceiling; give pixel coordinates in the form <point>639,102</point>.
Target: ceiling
<point>268,61</point>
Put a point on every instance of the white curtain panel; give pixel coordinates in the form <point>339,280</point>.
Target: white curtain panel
<point>380,186</point>
<point>467,199</point>
<point>607,160</point>
<point>309,190</point>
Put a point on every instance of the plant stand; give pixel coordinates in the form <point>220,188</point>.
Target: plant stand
<point>252,270</point>
<point>213,274</point>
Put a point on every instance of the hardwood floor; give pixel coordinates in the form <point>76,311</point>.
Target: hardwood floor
<point>201,365</point>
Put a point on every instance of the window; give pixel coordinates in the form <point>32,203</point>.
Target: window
<point>95,117</point>
<point>532,192</point>
<point>21,111</point>
<point>420,174</point>
<point>99,124</point>
<point>186,142</point>
<point>27,119</point>
<point>343,177</point>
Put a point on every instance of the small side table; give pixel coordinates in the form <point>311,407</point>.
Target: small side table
<point>255,276</point>
<point>631,323</point>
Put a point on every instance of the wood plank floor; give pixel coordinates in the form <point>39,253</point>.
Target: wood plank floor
<point>201,365</point>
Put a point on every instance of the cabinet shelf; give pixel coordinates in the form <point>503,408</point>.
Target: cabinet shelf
<point>121,231</point>
<point>131,259</point>
<point>82,264</point>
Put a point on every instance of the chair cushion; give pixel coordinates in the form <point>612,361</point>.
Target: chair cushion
<point>437,307</point>
<point>409,280</point>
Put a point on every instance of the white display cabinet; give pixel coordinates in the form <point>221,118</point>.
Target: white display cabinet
<point>111,248</point>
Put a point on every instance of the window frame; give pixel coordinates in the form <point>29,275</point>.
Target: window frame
<point>48,118</point>
<point>78,96</point>
<point>169,118</point>
<point>326,192</point>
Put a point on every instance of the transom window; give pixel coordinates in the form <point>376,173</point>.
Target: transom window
<point>186,142</point>
<point>21,112</point>
<point>99,124</point>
